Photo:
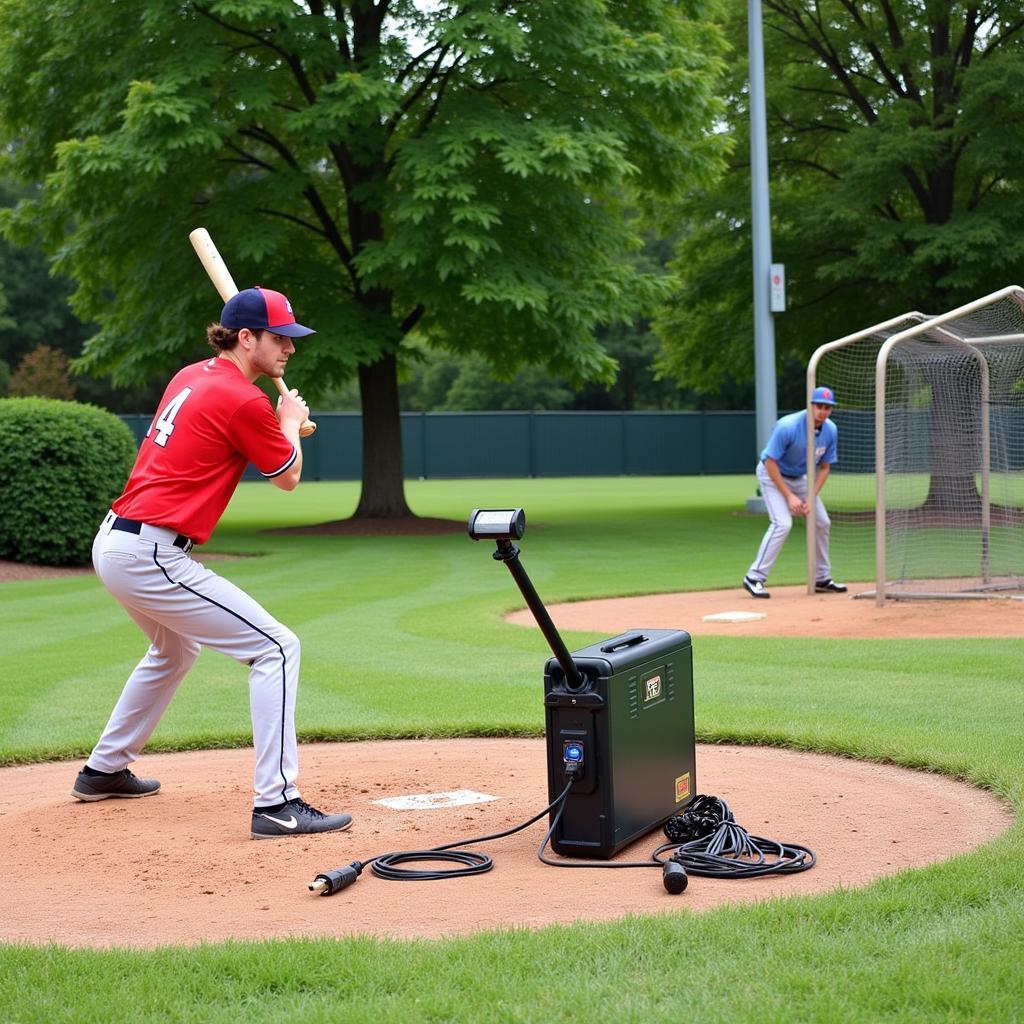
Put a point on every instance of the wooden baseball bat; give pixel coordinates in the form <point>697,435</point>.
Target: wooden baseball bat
<point>226,287</point>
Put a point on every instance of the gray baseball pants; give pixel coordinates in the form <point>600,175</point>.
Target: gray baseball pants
<point>182,606</point>
<point>781,522</point>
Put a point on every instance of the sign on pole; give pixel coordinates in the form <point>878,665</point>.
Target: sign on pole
<point>778,290</point>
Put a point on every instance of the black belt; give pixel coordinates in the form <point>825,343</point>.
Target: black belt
<point>135,526</point>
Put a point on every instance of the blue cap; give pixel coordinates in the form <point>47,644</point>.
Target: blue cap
<point>823,396</point>
<point>261,309</point>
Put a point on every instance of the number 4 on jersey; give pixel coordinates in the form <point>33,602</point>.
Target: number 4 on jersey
<point>165,422</point>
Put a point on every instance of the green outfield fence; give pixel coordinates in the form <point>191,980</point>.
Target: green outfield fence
<point>536,444</point>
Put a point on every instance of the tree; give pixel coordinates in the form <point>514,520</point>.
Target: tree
<point>635,349</point>
<point>458,168</point>
<point>445,381</point>
<point>896,145</point>
<point>34,311</point>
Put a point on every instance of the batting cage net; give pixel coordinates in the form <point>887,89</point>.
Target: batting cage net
<point>928,494</point>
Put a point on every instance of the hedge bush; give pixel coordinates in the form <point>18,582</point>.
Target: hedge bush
<point>61,465</point>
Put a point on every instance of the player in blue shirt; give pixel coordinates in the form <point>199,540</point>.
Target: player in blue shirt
<point>782,474</point>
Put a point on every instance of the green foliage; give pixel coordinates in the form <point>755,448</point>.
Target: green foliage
<point>42,373</point>
<point>446,381</point>
<point>442,380</point>
<point>34,311</point>
<point>62,465</point>
<point>466,173</point>
<point>458,383</point>
<point>634,347</point>
<point>896,171</point>
<point>482,177</point>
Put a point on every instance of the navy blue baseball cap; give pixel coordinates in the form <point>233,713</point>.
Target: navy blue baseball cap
<point>261,309</point>
<point>823,396</point>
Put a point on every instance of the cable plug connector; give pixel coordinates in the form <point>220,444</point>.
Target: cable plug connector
<point>327,883</point>
<point>674,876</point>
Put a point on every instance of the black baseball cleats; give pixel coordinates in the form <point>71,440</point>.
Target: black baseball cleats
<point>757,588</point>
<point>829,587</point>
<point>295,818</point>
<point>93,785</point>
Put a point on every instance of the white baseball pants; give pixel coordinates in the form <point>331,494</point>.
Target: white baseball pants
<point>182,606</point>
<point>781,522</point>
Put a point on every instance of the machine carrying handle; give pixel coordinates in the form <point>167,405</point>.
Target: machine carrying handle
<point>627,640</point>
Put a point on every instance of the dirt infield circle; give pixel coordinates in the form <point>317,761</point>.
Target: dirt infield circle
<point>791,611</point>
<point>180,868</point>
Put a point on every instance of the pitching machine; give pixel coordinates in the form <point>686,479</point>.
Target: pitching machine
<point>618,719</point>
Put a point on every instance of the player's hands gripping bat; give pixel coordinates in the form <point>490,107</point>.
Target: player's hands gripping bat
<point>226,287</point>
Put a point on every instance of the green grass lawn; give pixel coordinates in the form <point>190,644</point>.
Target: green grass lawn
<point>404,636</point>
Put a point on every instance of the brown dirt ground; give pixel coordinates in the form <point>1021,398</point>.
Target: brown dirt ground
<point>791,611</point>
<point>180,868</point>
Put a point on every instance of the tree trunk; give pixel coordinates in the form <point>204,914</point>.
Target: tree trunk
<point>383,492</point>
<point>955,438</point>
<point>952,495</point>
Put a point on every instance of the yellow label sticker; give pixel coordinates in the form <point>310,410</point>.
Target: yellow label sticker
<point>682,787</point>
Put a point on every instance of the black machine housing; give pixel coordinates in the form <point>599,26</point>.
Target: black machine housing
<point>625,728</point>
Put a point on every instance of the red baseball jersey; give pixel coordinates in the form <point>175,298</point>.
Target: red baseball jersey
<point>211,422</point>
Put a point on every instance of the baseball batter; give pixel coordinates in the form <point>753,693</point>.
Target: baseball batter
<point>212,421</point>
<point>782,475</point>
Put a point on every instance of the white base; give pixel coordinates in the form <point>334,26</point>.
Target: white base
<point>427,801</point>
<point>735,617</point>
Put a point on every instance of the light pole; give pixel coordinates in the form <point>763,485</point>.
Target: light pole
<point>764,327</point>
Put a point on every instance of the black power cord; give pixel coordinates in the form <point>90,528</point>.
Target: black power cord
<point>705,838</point>
<point>388,865</point>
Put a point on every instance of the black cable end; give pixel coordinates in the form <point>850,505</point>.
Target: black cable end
<point>674,877</point>
<point>327,883</point>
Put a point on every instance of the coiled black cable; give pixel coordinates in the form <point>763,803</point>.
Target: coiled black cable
<point>387,865</point>
<point>705,840</point>
<point>715,846</point>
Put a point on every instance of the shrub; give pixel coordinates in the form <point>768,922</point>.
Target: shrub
<point>42,373</point>
<point>62,464</point>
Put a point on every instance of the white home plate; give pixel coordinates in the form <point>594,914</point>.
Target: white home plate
<point>425,801</point>
<point>735,617</point>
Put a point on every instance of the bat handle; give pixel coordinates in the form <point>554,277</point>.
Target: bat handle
<point>307,428</point>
